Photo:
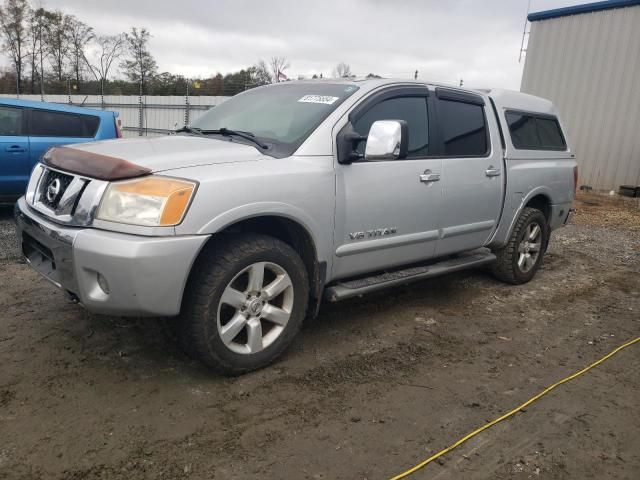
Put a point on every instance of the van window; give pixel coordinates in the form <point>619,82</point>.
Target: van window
<point>413,110</point>
<point>464,129</point>
<point>45,123</point>
<point>535,132</point>
<point>10,121</point>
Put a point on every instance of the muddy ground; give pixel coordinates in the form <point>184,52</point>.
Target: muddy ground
<point>371,387</point>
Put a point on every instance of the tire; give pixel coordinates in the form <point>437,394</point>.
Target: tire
<point>512,265</point>
<point>207,325</point>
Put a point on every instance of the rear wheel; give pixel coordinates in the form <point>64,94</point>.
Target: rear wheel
<point>244,304</point>
<point>520,259</point>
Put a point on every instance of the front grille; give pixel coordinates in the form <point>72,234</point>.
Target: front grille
<point>52,188</point>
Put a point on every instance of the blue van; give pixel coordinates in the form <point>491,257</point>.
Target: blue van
<point>28,129</point>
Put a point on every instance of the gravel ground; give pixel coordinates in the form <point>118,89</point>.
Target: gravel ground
<point>369,389</point>
<point>9,251</point>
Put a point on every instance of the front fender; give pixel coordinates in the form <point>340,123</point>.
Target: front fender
<point>262,209</point>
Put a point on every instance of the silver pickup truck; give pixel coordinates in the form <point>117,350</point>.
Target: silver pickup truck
<point>284,195</point>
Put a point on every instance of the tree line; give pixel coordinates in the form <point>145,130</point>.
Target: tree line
<point>53,52</point>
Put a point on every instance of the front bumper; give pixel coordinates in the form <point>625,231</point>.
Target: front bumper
<point>144,276</point>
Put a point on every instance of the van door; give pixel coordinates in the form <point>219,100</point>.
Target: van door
<point>387,211</point>
<point>472,172</point>
<point>14,153</point>
<point>48,128</point>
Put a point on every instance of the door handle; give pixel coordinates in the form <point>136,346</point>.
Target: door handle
<point>16,149</point>
<point>427,176</point>
<point>492,172</point>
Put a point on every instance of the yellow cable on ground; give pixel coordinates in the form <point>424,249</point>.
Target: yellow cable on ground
<point>512,412</point>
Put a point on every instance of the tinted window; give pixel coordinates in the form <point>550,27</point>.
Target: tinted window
<point>524,133</point>
<point>413,110</point>
<point>10,121</point>
<point>550,133</point>
<point>532,132</point>
<point>464,130</point>
<point>45,123</point>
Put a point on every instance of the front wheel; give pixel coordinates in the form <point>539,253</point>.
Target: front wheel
<point>519,260</point>
<point>244,304</point>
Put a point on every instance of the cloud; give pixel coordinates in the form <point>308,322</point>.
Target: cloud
<point>478,41</point>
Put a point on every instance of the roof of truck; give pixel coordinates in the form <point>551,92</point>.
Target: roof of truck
<point>506,99</point>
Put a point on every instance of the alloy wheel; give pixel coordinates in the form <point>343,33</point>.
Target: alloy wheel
<point>255,307</point>
<point>530,247</point>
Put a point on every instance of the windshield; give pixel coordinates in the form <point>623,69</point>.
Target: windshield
<point>280,115</point>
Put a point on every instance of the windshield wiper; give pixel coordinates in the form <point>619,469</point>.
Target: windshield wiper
<point>239,133</point>
<point>194,130</point>
<point>225,132</point>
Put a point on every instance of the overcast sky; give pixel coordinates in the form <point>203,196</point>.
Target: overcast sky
<point>477,40</point>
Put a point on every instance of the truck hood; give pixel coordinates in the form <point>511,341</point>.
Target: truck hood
<point>158,154</point>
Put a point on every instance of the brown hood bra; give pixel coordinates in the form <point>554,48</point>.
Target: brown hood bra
<point>94,165</point>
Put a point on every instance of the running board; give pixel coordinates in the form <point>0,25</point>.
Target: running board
<point>362,286</point>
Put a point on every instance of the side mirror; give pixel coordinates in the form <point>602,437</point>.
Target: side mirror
<point>387,140</point>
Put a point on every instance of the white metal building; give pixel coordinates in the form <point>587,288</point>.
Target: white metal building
<point>586,59</point>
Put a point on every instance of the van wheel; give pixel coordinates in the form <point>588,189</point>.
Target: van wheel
<point>520,259</point>
<point>244,303</point>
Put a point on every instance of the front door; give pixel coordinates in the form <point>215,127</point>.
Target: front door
<point>387,212</point>
<point>14,153</point>
<point>472,172</point>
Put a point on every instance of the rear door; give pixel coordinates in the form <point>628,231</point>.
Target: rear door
<point>472,171</point>
<point>49,128</point>
<point>14,152</point>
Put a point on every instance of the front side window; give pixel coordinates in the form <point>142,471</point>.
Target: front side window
<point>45,123</point>
<point>535,132</point>
<point>412,110</point>
<point>464,129</point>
<point>10,121</point>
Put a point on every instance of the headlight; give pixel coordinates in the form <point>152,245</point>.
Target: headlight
<point>149,201</point>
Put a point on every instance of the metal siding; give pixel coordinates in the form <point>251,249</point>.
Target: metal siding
<point>589,66</point>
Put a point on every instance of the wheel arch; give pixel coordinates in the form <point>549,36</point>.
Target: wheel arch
<point>539,198</point>
<point>542,202</point>
<point>291,231</point>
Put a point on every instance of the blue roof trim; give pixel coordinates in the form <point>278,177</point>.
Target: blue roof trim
<point>584,8</point>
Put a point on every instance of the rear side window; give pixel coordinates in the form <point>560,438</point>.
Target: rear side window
<point>411,109</point>
<point>535,132</point>
<point>464,129</point>
<point>11,121</point>
<point>45,123</point>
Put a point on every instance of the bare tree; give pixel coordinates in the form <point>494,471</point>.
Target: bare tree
<point>102,51</point>
<point>36,48</point>
<point>57,41</point>
<point>80,34</point>
<point>278,66</point>
<point>342,70</point>
<point>13,16</point>
<point>140,65</point>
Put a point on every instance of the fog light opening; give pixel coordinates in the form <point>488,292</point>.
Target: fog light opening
<point>103,284</point>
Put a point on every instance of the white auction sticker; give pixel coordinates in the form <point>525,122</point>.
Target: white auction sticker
<point>327,100</point>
